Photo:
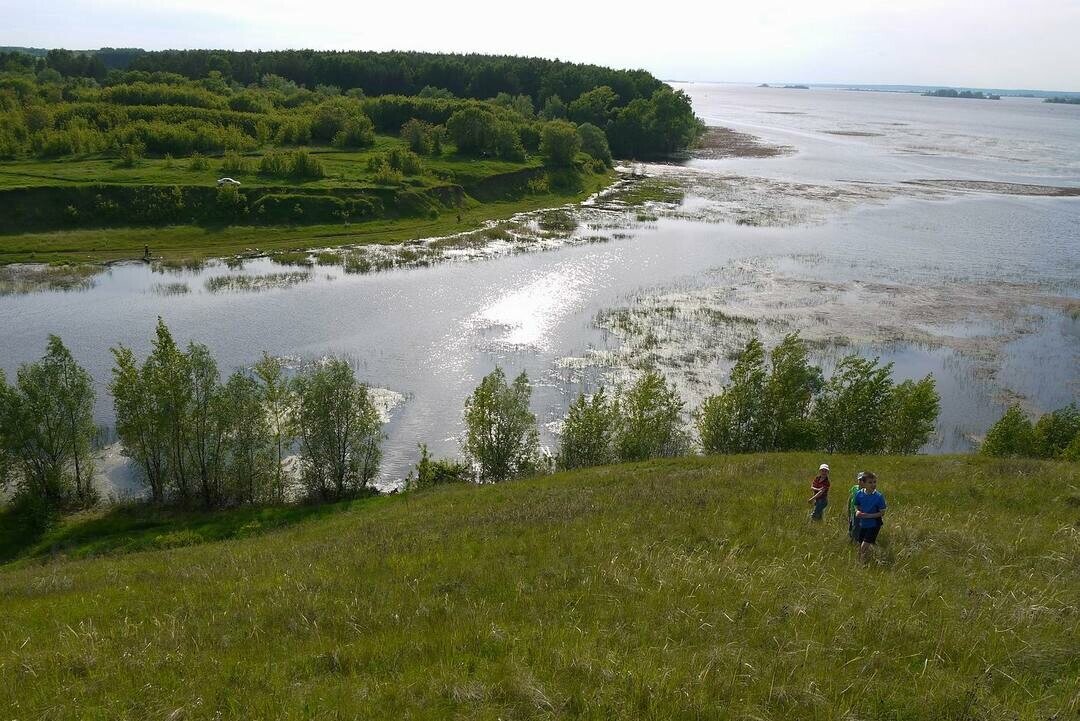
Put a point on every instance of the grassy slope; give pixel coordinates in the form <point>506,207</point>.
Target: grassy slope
<point>344,170</point>
<point>691,588</point>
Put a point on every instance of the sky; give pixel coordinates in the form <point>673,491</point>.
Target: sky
<point>1031,44</point>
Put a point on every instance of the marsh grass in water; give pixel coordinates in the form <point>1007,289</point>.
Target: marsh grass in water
<point>664,590</point>
<point>18,280</point>
<point>244,282</point>
<point>179,288</point>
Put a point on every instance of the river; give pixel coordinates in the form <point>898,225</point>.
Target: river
<point>848,234</point>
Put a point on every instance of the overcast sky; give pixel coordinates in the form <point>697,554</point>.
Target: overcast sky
<point>987,43</point>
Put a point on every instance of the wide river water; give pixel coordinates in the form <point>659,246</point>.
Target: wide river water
<point>977,283</point>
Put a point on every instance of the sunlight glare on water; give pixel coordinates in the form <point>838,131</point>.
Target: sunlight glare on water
<point>527,315</point>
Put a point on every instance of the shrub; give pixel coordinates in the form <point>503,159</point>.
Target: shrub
<point>1056,431</point>
<point>234,164</point>
<point>437,472</point>
<point>1013,435</point>
<point>275,164</point>
<point>595,143</point>
<point>789,392</point>
<point>423,138</point>
<point>501,438</point>
<point>198,162</point>
<point>303,165</point>
<point>559,142</point>
<point>912,411</point>
<point>852,411</point>
<point>129,155</point>
<point>734,420</point>
<point>385,174</point>
<point>358,132</point>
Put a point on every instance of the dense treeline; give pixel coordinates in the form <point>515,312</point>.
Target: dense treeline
<point>407,73</point>
<point>179,102</point>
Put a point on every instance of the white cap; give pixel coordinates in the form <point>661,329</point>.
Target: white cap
<point>823,467</point>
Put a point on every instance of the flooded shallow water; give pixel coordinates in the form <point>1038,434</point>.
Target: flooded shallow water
<point>980,289</point>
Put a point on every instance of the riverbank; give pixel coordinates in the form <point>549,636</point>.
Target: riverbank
<point>667,589</point>
<point>127,210</point>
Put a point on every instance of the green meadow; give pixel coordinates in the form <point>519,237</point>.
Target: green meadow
<point>691,588</point>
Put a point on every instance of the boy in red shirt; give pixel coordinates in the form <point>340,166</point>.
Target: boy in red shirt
<point>820,488</point>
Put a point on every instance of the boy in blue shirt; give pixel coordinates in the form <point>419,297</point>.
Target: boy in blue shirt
<point>869,508</point>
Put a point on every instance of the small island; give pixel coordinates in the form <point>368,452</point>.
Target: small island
<point>1064,99</point>
<point>966,94</point>
<point>796,87</point>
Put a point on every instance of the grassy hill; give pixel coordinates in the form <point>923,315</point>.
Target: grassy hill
<point>690,588</point>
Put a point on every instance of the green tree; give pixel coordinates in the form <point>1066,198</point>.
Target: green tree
<point>520,104</point>
<point>649,420</point>
<point>506,142</point>
<point>339,430</point>
<point>559,142</point>
<point>594,142</point>
<point>168,374</point>
<point>139,422</point>
<point>912,415</point>
<point>472,129</point>
<point>852,411</point>
<point>1055,431</point>
<point>554,109</point>
<point>588,433</point>
<point>278,403</point>
<point>7,437</point>
<point>208,423</point>
<point>735,420</point>
<point>595,106</point>
<point>47,429</point>
<point>248,442</point>
<point>1012,436</point>
<point>789,392</point>
<point>501,438</point>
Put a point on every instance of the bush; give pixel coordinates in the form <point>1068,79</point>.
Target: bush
<point>501,438</point>
<point>912,411</point>
<point>852,412</point>
<point>129,155</point>
<point>234,164</point>
<point>595,143</point>
<point>1012,436</point>
<point>423,138</point>
<point>275,164</point>
<point>302,165</point>
<point>385,174</point>
<point>437,472</point>
<point>198,162</point>
<point>358,132</point>
<point>1055,432</point>
<point>559,142</point>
